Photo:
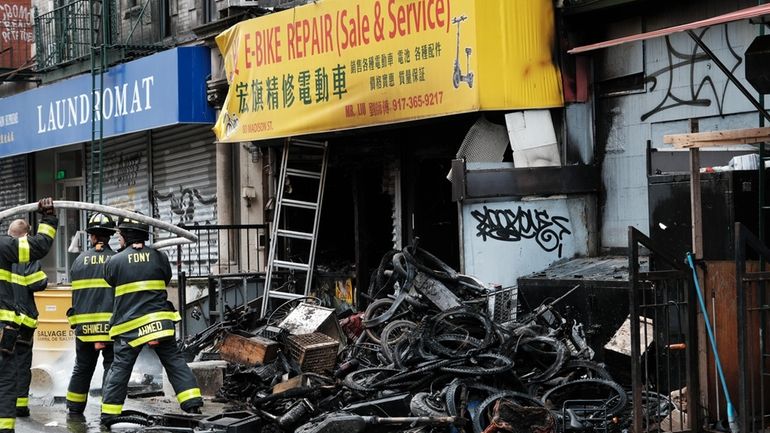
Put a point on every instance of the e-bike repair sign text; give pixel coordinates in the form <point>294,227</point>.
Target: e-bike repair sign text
<point>340,64</point>
<point>345,30</point>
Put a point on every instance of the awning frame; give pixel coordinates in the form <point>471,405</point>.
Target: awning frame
<point>747,13</point>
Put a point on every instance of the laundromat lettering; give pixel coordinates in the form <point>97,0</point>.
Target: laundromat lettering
<point>117,101</point>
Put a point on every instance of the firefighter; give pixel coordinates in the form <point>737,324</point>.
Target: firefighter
<point>26,279</point>
<point>92,300</point>
<point>143,316</point>
<point>21,250</point>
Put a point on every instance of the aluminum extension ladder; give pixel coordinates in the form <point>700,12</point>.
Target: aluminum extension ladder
<point>311,150</point>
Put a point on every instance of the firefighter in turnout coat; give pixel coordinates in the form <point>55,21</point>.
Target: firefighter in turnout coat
<point>92,300</point>
<point>143,316</point>
<point>21,250</point>
<point>26,279</point>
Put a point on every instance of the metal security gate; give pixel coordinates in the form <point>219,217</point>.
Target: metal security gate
<point>184,179</point>
<point>14,185</point>
<point>664,349</point>
<point>125,172</point>
<point>753,339</point>
<point>184,187</point>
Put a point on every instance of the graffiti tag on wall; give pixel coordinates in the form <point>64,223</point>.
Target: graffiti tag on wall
<point>698,89</point>
<point>186,205</point>
<point>121,169</point>
<point>182,205</point>
<point>511,225</point>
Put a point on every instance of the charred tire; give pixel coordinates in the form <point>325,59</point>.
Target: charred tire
<point>425,404</point>
<point>458,387</point>
<point>432,333</point>
<point>499,364</point>
<point>534,349</point>
<point>128,419</point>
<point>444,271</point>
<point>365,379</point>
<point>577,369</point>
<point>611,393</point>
<point>375,310</point>
<point>416,373</point>
<point>459,345</point>
<point>386,341</point>
<point>404,353</point>
<point>379,282</point>
<point>521,399</point>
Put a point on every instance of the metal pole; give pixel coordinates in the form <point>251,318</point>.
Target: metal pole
<point>636,385</point>
<point>729,75</point>
<point>182,280</point>
<point>743,386</point>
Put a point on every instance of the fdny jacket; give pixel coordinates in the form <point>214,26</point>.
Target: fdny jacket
<point>27,278</point>
<point>142,312</point>
<point>92,296</point>
<point>21,250</point>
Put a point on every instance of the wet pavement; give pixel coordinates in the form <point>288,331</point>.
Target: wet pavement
<point>47,416</point>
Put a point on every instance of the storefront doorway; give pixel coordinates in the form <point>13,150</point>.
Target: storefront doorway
<point>69,186</point>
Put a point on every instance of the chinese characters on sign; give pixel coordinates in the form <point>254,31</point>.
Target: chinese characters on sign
<point>342,64</point>
<point>312,88</point>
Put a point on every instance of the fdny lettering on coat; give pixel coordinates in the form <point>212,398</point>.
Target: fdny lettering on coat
<point>95,328</point>
<point>150,328</point>
<point>94,260</point>
<point>138,257</point>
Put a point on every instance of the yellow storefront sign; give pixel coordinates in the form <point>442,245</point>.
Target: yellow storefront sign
<point>340,64</point>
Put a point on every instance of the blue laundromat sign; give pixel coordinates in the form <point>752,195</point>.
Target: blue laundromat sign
<point>164,89</point>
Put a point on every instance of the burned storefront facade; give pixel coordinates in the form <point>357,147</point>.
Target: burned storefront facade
<point>397,97</point>
<point>667,80</point>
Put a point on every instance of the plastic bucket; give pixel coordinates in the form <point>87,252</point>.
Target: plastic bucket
<point>53,337</point>
<point>54,344</point>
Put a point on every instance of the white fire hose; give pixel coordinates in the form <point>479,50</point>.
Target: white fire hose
<point>184,236</point>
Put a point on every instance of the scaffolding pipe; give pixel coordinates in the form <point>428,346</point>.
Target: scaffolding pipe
<point>185,236</point>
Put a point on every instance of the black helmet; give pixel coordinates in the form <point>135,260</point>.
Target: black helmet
<point>101,225</point>
<point>132,224</point>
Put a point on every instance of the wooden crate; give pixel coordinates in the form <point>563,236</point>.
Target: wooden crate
<point>248,351</point>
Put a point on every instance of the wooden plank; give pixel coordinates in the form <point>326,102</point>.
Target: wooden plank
<point>248,351</point>
<point>696,208</point>
<point>696,214</point>
<point>719,281</point>
<point>294,382</point>
<point>722,143</point>
<point>718,138</point>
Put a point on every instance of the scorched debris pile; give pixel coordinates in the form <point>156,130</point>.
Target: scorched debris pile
<point>433,351</point>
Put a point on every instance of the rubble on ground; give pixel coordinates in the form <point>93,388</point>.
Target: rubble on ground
<point>433,351</point>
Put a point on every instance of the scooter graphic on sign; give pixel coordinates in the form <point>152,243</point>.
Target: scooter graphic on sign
<point>457,76</point>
